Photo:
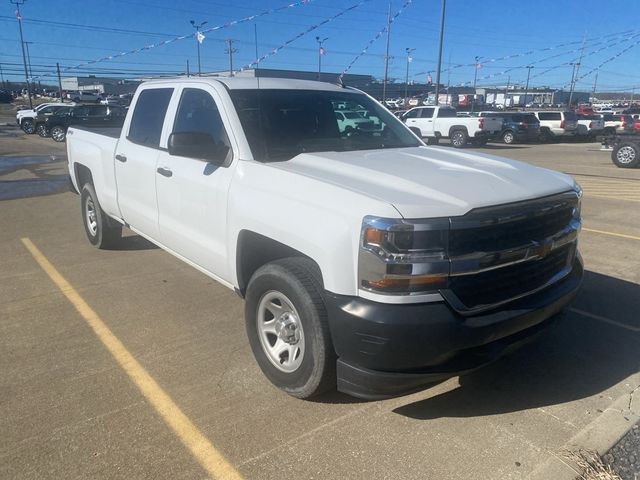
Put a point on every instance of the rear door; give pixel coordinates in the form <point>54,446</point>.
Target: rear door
<point>192,192</point>
<point>136,156</point>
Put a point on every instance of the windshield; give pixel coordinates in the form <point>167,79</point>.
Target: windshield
<point>280,124</point>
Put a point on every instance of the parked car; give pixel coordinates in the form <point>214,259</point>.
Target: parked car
<point>26,118</point>
<point>516,127</point>
<point>85,116</point>
<point>42,121</point>
<point>617,123</point>
<point>86,96</point>
<point>391,265</point>
<point>5,96</point>
<point>350,121</point>
<point>556,124</point>
<point>590,125</point>
<point>434,123</point>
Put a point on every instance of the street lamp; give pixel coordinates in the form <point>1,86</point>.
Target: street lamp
<point>406,81</point>
<point>438,69</point>
<point>17,3</point>
<point>526,89</point>
<point>576,66</point>
<point>320,53</point>
<point>198,41</point>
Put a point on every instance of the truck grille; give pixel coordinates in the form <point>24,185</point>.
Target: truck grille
<point>501,253</point>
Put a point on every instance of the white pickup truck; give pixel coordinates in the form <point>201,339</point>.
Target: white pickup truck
<point>367,260</point>
<point>435,123</point>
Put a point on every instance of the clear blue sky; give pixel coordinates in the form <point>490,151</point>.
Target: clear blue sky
<point>65,31</point>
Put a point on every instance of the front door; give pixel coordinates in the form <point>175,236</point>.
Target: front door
<point>192,192</point>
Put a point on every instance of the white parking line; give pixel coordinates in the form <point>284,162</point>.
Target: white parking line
<point>605,320</point>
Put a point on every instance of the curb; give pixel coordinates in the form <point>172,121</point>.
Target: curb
<point>599,436</point>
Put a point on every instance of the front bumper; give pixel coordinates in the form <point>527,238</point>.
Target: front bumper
<point>387,350</point>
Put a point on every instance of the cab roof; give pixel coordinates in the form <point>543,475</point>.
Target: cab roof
<point>251,83</point>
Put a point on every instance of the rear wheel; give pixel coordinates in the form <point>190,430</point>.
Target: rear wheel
<point>508,137</point>
<point>287,326</point>
<point>58,133</point>
<point>459,138</point>
<point>28,126</point>
<point>101,231</point>
<point>545,135</point>
<point>626,155</point>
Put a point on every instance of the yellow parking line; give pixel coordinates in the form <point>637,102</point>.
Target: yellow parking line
<point>200,447</point>
<point>613,234</point>
<point>605,319</point>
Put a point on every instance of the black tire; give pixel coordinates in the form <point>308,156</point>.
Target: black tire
<point>42,130</point>
<point>300,281</point>
<point>58,133</point>
<point>508,137</point>
<point>626,155</point>
<point>28,126</point>
<point>459,138</point>
<point>101,231</point>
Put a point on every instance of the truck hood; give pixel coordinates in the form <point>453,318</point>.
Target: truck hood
<point>425,182</point>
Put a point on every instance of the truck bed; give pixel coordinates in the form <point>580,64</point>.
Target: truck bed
<point>113,132</point>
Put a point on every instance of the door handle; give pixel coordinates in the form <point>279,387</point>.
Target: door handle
<point>165,172</point>
<point>121,158</point>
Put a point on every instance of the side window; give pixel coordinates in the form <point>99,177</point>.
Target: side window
<point>148,116</point>
<point>98,111</point>
<point>339,116</point>
<point>46,110</point>
<point>415,113</point>
<point>81,111</point>
<point>198,113</point>
<point>427,112</point>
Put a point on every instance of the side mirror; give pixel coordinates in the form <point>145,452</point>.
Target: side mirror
<point>197,145</point>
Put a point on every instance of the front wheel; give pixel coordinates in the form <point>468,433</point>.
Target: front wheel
<point>42,130</point>
<point>287,326</point>
<point>459,138</point>
<point>58,133</point>
<point>101,231</point>
<point>626,155</point>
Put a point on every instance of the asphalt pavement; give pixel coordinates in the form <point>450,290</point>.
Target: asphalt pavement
<point>75,401</point>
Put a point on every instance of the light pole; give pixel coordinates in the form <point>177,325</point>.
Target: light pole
<point>475,79</point>
<point>29,59</point>
<point>17,3</point>
<point>230,51</point>
<point>386,57</point>
<point>406,81</point>
<point>526,89</point>
<point>198,41</point>
<point>444,6</point>
<point>320,53</point>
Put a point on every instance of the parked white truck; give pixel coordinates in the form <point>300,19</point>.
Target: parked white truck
<point>434,123</point>
<point>367,260</point>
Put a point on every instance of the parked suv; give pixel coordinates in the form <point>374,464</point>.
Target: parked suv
<point>556,124</point>
<point>617,123</point>
<point>84,96</point>
<point>516,127</point>
<point>85,115</point>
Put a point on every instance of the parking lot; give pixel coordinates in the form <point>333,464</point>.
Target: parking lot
<point>130,364</point>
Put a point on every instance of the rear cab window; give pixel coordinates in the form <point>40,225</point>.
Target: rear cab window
<point>148,116</point>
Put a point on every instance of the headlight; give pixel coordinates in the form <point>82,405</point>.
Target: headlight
<point>403,256</point>
<point>578,209</point>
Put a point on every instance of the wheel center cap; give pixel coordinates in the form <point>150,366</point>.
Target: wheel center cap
<point>287,328</point>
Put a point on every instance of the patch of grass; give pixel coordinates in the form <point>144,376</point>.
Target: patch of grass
<point>589,466</point>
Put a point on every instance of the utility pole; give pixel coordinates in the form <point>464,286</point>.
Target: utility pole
<point>59,83</point>
<point>320,53</point>
<point>475,79</point>
<point>526,89</point>
<point>386,56</point>
<point>506,92</point>
<point>1,75</point>
<point>188,72</point>
<point>17,3</point>
<point>406,80</point>
<point>29,59</point>
<point>230,51</point>
<point>595,83</point>
<point>576,70</point>
<point>444,5</point>
<point>199,37</point>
